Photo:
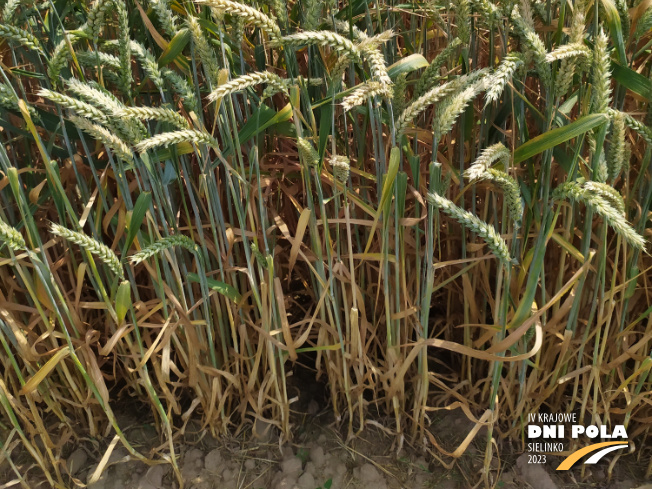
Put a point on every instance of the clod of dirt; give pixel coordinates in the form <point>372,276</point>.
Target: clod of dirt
<point>250,464</point>
<point>214,462</point>
<point>533,474</point>
<point>291,466</point>
<point>193,462</point>
<point>76,461</point>
<point>153,479</point>
<point>317,456</point>
<point>287,482</point>
<point>306,481</point>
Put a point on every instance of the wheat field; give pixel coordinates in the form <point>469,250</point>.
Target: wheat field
<point>431,204</point>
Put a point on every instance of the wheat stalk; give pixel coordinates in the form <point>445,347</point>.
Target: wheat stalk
<point>103,252</point>
<point>176,137</point>
<point>487,232</point>
<point>11,237</point>
<point>575,193</point>
<point>163,244</point>
<point>245,81</point>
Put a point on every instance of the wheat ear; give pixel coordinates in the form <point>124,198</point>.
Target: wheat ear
<point>203,50</point>
<point>307,153</point>
<point>601,76</point>
<point>130,130</point>
<point>567,69</point>
<point>95,58</point>
<point>165,16</point>
<point>644,131</point>
<point>20,36</point>
<point>246,81</point>
<point>11,237</point>
<point>616,154</point>
<point>434,95</point>
<point>9,100</point>
<point>176,137</point>
<point>463,20</point>
<point>535,47</point>
<point>608,193</point>
<point>59,58</point>
<point>575,193</point>
<point>320,38</point>
<point>341,167</point>
<point>495,152</point>
<point>566,51</point>
<point>9,10</point>
<point>501,77</point>
<point>246,13</point>
<point>369,89</point>
<point>81,108</point>
<point>487,232</point>
<point>163,244</point>
<point>95,19</point>
<point>124,48</point>
<point>103,252</point>
<point>511,193</point>
<point>117,145</point>
<point>149,64</point>
<point>157,114</point>
<point>454,106</point>
<point>431,74</point>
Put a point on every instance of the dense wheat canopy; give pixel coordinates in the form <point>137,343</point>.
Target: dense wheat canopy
<point>428,203</point>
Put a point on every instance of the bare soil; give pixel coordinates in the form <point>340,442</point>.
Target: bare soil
<point>318,458</point>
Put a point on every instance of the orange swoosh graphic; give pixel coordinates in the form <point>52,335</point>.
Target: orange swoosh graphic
<point>575,456</point>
